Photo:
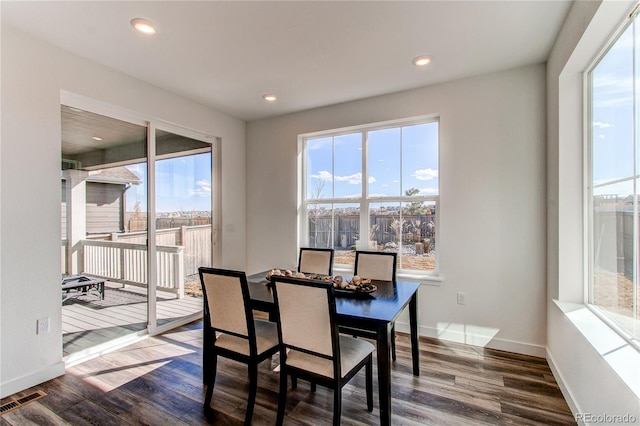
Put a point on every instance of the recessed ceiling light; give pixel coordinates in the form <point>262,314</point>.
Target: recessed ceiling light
<point>421,61</point>
<point>96,138</point>
<point>269,97</point>
<point>143,26</point>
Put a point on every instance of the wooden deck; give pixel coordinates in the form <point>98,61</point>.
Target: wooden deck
<point>87,321</point>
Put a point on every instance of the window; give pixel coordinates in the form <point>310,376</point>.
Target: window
<point>614,185</point>
<point>373,188</point>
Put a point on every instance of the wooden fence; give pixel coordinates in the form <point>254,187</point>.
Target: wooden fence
<point>344,230</point>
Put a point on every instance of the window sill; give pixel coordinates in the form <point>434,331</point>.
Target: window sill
<point>621,356</point>
<point>425,279</point>
<point>434,280</point>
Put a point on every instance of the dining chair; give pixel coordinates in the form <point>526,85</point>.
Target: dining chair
<point>240,337</point>
<point>315,261</point>
<point>375,265</point>
<point>312,348</point>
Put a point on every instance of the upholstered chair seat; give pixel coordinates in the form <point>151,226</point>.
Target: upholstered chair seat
<point>266,339</point>
<point>351,351</point>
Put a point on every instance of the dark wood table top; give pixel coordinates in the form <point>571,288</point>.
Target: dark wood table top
<point>383,305</point>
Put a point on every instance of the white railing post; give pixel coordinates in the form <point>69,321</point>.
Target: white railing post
<point>81,259</point>
<point>179,272</point>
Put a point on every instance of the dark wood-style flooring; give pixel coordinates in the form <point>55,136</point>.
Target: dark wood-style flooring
<point>159,382</point>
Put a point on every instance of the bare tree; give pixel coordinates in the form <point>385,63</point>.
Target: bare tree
<point>316,212</point>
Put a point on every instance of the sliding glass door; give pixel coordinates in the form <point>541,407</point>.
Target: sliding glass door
<point>137,217</point>
<point>104,229</point>
<point>183,223</point>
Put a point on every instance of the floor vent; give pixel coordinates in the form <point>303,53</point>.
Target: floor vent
<point>12,405</point>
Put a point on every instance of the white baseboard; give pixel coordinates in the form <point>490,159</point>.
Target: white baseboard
<point>32,379</point>
<point>473,339</point>
<point>566,392</point>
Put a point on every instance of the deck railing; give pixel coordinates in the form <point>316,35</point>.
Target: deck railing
<point>126,263</point>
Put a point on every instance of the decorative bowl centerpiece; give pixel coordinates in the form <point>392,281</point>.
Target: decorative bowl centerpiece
<point>355,285</point>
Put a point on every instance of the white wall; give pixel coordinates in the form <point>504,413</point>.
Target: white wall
<point>597,374</point>
<point>33,75</point>
<point>492,207</point>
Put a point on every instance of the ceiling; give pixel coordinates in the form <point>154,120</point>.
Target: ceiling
<point>227,54</point>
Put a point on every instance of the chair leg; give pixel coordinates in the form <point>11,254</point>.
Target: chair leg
<point>211,381</point>
<point>393,341</point>
<point>369,383</point>
<point>337,405</point>
<point>253,389</point>
<point>282,397</point>
<point>313,387</point>
<point>294,382</point>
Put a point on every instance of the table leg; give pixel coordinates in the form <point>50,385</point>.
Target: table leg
<point>413,322</point>
<point>384,373</point>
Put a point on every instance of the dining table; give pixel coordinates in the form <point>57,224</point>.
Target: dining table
<point>373,312</point>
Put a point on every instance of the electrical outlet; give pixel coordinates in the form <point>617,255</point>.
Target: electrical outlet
<point>462,298</point>
<point>44,325</point>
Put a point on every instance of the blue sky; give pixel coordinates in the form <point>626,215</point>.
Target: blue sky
<point>182,184</point>
<point>334,165</point>
<point>613,117</point>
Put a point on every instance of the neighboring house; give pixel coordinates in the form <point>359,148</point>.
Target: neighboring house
<point>106,200</point>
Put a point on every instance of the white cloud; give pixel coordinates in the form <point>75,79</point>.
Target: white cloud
<point>425,174</point>
<point>354,179</point>
<point>203,189</point>
<point>323,175</point>
<point>601,125</point>
<point>428,191</point>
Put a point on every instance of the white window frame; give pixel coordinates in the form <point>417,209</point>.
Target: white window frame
<point>364,200</point>
<point>589,186</point>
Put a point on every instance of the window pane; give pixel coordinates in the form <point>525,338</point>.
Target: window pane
<point>408,229</point>
<point>419,236</point>
<point>614,283</point>
<point>383,162</point>
<point>319,168</point>
<point>614,233</point>
<point>420,159</point>
<point>320,218</point>
<point>385,227</point>
<point>348,166</point>
<point>612,110</point>
<point>335,226</point>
